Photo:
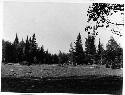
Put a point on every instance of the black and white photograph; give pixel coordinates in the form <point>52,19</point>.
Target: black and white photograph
<point>62,47</point>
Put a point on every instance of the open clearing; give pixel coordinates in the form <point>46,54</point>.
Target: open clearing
<point>43,71</point>
<point>61,79</point>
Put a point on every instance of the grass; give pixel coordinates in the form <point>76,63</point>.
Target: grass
<point>56,71</point>
<point>61,79</point>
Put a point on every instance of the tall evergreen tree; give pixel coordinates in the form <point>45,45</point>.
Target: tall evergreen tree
<point>16,41</point>
<point>34,48</point>
<point>113,53</point>
<point>16,46</point>
<point>55,59</point>
<point>47,58</point>
<point>90,48</point>
<point>21,52</point>
<point>79,53</point>
<point>41,55</point>
<point>34,44</point>
<point>100,52</point>
<point>7,51</point>
<point>71,55</point>
<point>63,58</point>
<point>27,48</point>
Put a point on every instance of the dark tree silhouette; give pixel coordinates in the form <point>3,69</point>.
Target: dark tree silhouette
<point>78,51</point>
<point>100,53</point>
<point>26,53</point>
<point>29,53</point>
<point>16,41</point>
<point>16,46</point>
<point>114,54</point>
<point>90,49</point>
<point>55,59</point>
<point>63,58</point>
<point>33,49</point>
<point>21,51</point>
<point>8,51</point>
<point>41,55</point>
<point>27,49</point>
<point>71,55</point>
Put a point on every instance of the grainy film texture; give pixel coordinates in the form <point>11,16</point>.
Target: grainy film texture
<point>62,48</point>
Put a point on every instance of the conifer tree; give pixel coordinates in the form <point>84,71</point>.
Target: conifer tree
<point>21,48</point>
<point>63,58</point>
<point>100,52</point>
<point>8,52</point>
<point>15,45</point>
<point>34,44</point>
<point>34,48</point>
<point>16,41</point>
<point>90,48</point>
<point>71,55</point>
<point>113,54</point>
<point>27,48</point>
<point>41,55</point>
<point>55,59</point>
<point>79,53</point>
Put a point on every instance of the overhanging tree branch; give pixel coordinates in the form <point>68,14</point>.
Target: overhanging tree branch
<point>99,13</point>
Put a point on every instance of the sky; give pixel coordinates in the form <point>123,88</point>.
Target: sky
<point>56,25</point>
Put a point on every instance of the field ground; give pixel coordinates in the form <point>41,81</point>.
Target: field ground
<point>56,71</point>
<point>103,85</point>
<point>61,79</point>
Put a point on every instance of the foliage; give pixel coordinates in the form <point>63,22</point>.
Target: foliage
<point>90,49</point>
<point>7,50</point>
<point>27,53</point>
<point>79,54</point>
<point>71,55</point>
<point>100,13</point>
<point>114,54</point>
<point>100,54</point>
<point>63,58</point>
<point>41,55</point>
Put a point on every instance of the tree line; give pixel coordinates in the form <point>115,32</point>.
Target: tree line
<point>27,52</point>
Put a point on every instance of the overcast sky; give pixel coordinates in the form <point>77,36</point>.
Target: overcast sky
<point>56,25</point>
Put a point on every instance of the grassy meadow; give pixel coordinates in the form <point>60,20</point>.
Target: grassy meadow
<point>42,71</point>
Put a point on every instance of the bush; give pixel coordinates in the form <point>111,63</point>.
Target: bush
<point>24,63</point>
<point>107,66</point>
<point>115,66</point>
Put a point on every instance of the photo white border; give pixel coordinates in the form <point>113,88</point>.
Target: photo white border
<point>54,1</point>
